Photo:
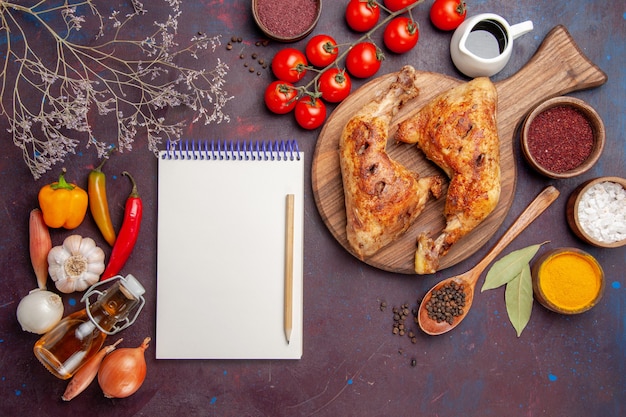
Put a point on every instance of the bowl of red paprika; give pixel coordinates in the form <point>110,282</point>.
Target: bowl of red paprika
<point>286,20</point>
<point>562,137</point>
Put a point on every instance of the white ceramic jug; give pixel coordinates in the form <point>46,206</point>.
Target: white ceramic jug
<point>481,46</point>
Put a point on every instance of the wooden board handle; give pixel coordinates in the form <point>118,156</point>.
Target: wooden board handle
<point>558,67</point>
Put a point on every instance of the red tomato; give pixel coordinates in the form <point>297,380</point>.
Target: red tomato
<point>335,85</point>
<point>401,35</point>
<point>364,60</point>
<point>289,65</point>
<point>310,112</point>
<point>395,5</point>
<point>362,16</point>
<point>321,50</point>
<point>280,97</point>
<point>448,14</point>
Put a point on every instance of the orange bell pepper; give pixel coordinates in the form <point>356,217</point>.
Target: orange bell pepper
<point>63,204</point>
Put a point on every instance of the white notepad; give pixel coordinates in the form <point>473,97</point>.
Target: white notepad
<point>221,250</point>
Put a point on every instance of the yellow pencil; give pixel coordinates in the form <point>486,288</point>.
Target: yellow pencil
<point>289,267</point>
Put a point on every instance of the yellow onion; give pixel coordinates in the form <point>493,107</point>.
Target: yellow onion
<point>123,371</point>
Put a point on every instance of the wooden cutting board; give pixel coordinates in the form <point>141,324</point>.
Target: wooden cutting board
<point>558,67</point>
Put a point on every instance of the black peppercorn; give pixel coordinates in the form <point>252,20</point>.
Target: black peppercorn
<point>446,303</point>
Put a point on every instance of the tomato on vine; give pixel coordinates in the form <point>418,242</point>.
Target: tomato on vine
<point>310,112</point>
<point>280,97</point>
<point>364,60</point>
<point>289,65</point>
<point>448,14</point>
<point>321,50</point>
<point>395,5</point>
<point>362,16</point>
<point>335,85</point>
<point>401,35</point>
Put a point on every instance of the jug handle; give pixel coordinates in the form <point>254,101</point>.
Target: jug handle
<point>521,28</point>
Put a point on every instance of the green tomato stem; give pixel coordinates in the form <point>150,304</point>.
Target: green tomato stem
<point>305,90</point>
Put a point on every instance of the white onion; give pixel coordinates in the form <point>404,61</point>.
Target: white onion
<point>39,311</point>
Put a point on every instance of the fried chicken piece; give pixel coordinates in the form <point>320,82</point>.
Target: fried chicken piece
<point>457,131</point>
<point>382,197</point>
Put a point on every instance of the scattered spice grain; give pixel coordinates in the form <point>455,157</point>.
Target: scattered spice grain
<point>255,56</point>
<point>400,325</point>
<point>400,315</point>
<point>287,18</point>
<point>560,138</point>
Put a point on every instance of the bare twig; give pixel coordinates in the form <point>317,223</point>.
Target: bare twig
<point>59,87</point>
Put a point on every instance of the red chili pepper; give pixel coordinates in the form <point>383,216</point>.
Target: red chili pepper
<point>127,236</point>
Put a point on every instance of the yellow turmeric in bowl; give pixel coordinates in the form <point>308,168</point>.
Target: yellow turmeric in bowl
<point>568,281</point>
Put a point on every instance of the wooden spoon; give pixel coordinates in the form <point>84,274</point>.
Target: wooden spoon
<point>470,278</point>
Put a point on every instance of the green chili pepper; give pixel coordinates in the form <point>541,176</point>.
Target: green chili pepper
<point>98,204</point>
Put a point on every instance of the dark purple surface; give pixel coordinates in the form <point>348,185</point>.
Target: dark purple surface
<point>352,364</point>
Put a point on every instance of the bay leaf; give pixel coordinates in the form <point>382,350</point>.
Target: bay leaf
<point>519,299</point>
<point>509,267</point>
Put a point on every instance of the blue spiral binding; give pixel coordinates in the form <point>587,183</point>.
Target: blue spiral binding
<point>283,150</point>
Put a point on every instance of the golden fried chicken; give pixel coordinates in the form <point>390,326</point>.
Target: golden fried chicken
<point>457,131</point>
<point>382,197</point>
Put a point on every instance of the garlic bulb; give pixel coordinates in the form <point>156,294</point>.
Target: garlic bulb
<point>39,311</point>
<point>75,265</point>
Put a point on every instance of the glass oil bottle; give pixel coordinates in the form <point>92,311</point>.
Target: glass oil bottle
<point>80,335</point>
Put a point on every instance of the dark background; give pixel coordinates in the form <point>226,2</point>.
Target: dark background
<point>352,365</point>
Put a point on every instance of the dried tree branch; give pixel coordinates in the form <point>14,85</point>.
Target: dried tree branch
<point>60,87</point>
